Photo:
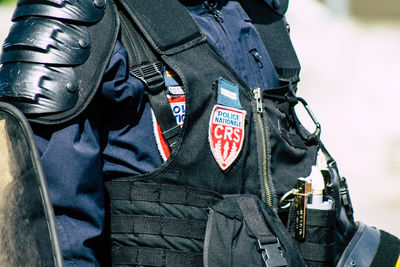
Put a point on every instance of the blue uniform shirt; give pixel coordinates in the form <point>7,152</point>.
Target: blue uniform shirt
<point>119,141</point>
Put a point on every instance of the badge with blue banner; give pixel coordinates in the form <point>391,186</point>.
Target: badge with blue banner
<point>226,129</point>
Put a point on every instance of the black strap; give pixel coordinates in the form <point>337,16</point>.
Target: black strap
<point>144,65</point>
<point>317,252</point>
<point>139,52</point>
<point>268,243</point>
<point>170,194</point>
<point>161,23</point>
<point>165,117</point>
<point>273,30</point>
<point>160,226</point>
<point>135,256</point>
<point>321,218</point>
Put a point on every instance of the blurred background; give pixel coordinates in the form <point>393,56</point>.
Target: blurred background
<point>350,56</point>
<point>349,51</point>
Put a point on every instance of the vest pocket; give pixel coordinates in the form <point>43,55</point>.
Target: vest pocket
<point>243,231</point>
<point>157,224</point>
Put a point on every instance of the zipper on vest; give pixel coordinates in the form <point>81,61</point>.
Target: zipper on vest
<point>262,146</point>
<point>211,7</point>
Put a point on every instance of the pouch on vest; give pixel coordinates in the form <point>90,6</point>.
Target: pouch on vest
<point>243,231</point>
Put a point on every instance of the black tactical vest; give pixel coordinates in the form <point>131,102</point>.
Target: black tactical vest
<point>159,219</point>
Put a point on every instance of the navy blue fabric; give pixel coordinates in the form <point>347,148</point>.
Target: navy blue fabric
<point>234,37</point>
<point>118,140</point>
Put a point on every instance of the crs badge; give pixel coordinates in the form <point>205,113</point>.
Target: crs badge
<point>226,128</point>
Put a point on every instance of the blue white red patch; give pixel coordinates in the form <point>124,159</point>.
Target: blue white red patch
<point>226,129</point>
<point>226,134</point>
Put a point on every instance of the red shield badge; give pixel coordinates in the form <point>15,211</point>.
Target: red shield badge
<point>226,134</point>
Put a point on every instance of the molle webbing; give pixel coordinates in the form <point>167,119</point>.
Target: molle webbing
<point>319,247</point>
<point>167,220</point>
<point>135,256</point>
<point>170,194</point>
<point>163,226</point>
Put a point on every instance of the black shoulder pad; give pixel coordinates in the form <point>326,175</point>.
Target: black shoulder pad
<point>279,6</point>
<point>89,11</point>
<point>55,55</point>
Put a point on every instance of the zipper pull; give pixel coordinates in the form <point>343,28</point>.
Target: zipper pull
<point>257,97</point>
<point>211,7</point>
<point>257,57</point>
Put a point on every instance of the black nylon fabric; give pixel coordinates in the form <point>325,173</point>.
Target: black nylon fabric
<point>291,157</point>
<point>320,247</point>
<point>388,253</point>
<point>232,241</point>
<point>192,164</point>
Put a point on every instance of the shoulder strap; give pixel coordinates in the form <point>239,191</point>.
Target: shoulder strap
<point>274,31</point>
<point>141,16</point>
<point>268,243</point>
<point>161,22</point>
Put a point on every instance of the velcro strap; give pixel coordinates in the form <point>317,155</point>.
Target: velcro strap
<point>170,194</point>
<point>321,218</point>
<point>317,252</point>
<point>154,225</point>
<point>268,243</point>
<point>135,256</point>
<point>255,221</point>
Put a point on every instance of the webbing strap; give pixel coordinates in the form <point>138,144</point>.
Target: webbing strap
<point>139,52</point>
<point>170,194</point>
<point>321,218</point>
<point>255,221</point>
<point>144,64</point>
<point>135,256</point>
<point>160,226</point>
<point>165,117</point>
<point>268,243</point>
<point>161,23</point>
<point>317,252</point>
<point>274,32</point>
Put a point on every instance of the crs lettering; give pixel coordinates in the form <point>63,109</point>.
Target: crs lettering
<point>226,132</point>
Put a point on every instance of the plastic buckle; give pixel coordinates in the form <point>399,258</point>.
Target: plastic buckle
<point>151,74</point>
<point>272,254</point>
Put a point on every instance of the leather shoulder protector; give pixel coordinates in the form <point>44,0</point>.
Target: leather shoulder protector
<point>54,56</point>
